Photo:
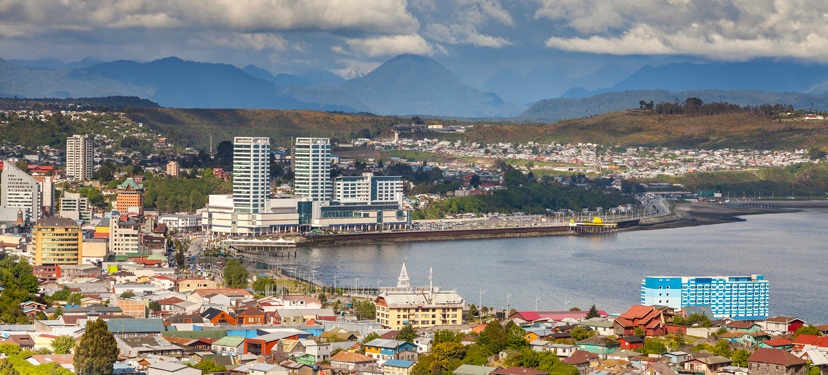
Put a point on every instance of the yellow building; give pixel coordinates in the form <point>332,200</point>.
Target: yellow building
<point>57,241</point>
<point>420,307</point>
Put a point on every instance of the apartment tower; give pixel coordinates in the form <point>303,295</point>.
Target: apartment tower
<point>79,157</point>
<point>251,174</point>
<point>57,241</point>
<point>312,168</point>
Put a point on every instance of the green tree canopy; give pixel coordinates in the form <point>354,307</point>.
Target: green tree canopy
<point>593,312</point>
<point>263,284</point>
<point>807,330</point>
<point>97,350</point>
<point>235,275</point>
<point>127,294</point>
<point>63,344</point>
<point>407,333</point>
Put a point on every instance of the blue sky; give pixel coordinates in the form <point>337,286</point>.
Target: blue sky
<point>474,38</point>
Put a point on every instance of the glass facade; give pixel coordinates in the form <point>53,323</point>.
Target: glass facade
<point>728,296</point>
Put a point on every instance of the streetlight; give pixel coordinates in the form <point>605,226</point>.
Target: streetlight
<point>565,304</point>
<point>507,304</point>
<point>536,303</point>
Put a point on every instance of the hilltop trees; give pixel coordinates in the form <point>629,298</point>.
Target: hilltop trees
<point>235,275</point>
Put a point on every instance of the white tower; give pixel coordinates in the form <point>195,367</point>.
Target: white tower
<point>312,168</point>
<point>403,281</point>
<point>79,157</point>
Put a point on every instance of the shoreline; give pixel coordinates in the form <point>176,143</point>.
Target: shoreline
<point>686,215</point>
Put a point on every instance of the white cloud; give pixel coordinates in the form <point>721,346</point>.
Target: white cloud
<point>387,46</point>
<point>478,12</point>
<point>249,41</point>
<point>464,34</point>
<point>722,29</point>
<point>383,16</point>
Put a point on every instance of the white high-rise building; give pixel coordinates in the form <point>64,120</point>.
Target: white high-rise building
<point>20,192</point>
<point>312,168</point>
<point>251,174</point>
<point>368,189</point>
<point>79,157</point>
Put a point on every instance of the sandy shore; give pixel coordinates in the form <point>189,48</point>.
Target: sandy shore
<point>695,214</point>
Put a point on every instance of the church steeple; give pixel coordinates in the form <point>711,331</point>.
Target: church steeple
<point>403,281</point>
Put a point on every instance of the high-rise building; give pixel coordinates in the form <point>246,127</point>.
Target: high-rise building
<point>79,157</point>
<point>75,206</point>
<point>421,307</point>
<point>251,174</point>
<point>130,197</point>
<point>124,236</point>
<point>738,297</point>
<point>57,241</point>
<point>368,189</point>
<point>20,192</point>
<point>312,168</point>
<point>172,169</point>
<point>46,184</point>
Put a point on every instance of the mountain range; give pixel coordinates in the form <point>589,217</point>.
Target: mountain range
<point>404,85</point>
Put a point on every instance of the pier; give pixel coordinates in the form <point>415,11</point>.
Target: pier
<point>595,227</point>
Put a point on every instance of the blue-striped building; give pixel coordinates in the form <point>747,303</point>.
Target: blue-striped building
<point>737,297</point>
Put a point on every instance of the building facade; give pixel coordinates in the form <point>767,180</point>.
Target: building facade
<point>57,241</point>
<point>130,197</point>
<point>172,169</point>
<point>420,307</point>
<point>312,168</point>
<point>737,297</point>
<point>368,189</point>
<point>20,192</point>
<point>75,206</point>
<point>80,154</point>
<point>251,174</point>
<point>124,236</point>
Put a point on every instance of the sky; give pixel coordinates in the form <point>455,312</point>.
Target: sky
<point>473,38</point>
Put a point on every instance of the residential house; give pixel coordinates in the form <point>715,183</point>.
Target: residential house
<point>146,346</point>
<point>384,350</point>
<point>631,342</point>
<point>742,327</point>
<point>135,327</point>
<point>706,365</point>
<point>217,317</point>
<point>745,338</point>
<point>649,319</point>
<point>517,371</point>
<point>783,344</point>
<point>267,369</point>
<point>781,324</point>
<point>194,283</point>
<point>397,367</point>
<point>423,345</point>
<point>265,344</point>
<point>582,360</point>
<point>602,327</point>
<point>353,363</point>
<point>775,362</point>
<point>63,360</point>
<point>600,345</point>
<point>229,345</point>
<point>320,351</point>
<point>25,342</point>
<point>562,350</point>
<point>251,315</point>
<point>170,368</point>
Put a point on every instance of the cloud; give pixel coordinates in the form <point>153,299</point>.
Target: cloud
<point>388,46</point>
<point>479,11</point>
<point>383,16</point>
<point>718,29</point>
<point>464,34</point>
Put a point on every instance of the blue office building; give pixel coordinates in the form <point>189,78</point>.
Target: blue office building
<point>737,297</point>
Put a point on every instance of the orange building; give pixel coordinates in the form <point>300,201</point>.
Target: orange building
<point>130,197</point>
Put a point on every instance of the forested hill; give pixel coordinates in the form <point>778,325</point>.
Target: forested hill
<point>196,126</point>
<point>109,102</point>
<point>564,108</point>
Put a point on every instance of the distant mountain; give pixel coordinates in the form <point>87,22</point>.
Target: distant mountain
<point>303,80</point>
<point>411,84</point>
<point>568,108</point>
<point>55,64</point>
<point>546,82</point>
<point>753,75</point>
<point>171,82</point>
<point>357,73</point>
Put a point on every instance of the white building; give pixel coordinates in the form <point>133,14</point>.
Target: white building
<point>124,236</point>
<point>312,168</point>
<point>79,157</point>
<point>75,206</point>
<point>278,216</point>
<point>182,222</point>
<point>251,174</point>
<point>20,192</point>
<point>368,189</point>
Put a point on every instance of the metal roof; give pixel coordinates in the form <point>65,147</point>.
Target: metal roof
<point>135,325</point>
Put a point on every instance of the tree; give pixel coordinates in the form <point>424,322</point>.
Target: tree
<point>22,165</point>
<point>208,367</point>
<point>407,333</point>
<point>516,337</point>
<point>154,306</point>
<point>224,151</point>
<point>472,313</point>
<point>639,332</point>
<point>179,258</point>
<point>74,299</point>
<point>370,337</point>
<point>579,333</point>
<point>493,338</point>
<point>7,368</point>
<point>97,350</point>
<point>105,173</point>
<point>816,154</point>
<point>807,330</point>
<point>63,344</point>
<point>322,298</point>
<point>722,348</point>
<point>127,294</point>
<point>365,310</point>
<point>263,284</point>
<point>235,275</point>
<point>475,181</point>
<point>593,312</point>
<point>575,308</point>
<point>740,358</point>
<point>653,346</point>
<point>446,352</point>
<point>58,312</point>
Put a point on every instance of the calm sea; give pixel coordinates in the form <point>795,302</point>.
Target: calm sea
<point>789,249</point>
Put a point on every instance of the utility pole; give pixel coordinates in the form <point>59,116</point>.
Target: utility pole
<point>536,303</point>
<point>507,305</point>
